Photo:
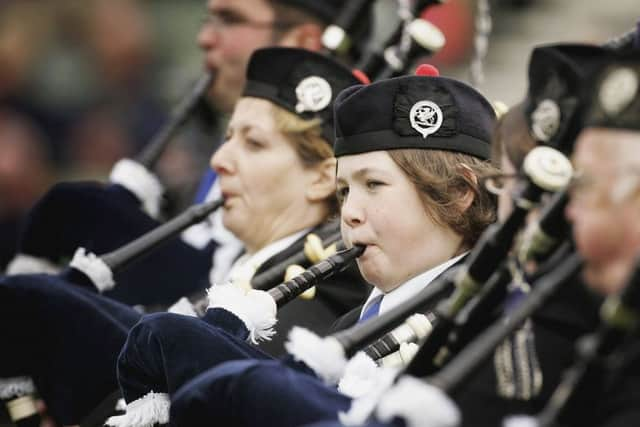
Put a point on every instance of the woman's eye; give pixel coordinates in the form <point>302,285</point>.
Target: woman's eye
<point>254,144</point>
<point>372,185</point>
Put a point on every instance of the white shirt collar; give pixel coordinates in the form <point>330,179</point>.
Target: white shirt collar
<point>409,288</point>
<point>244,267</point>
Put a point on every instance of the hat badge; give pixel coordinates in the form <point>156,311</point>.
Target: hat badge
<point>426,117</point>
<point>314,94</point>
<point>545,120</point>
<point>618,90</point>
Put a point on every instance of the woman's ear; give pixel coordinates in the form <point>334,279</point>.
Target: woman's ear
<point>469,195</point>
<point>323,181</point>
<point>305,36</point>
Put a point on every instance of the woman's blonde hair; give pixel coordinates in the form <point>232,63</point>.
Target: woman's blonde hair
<point>307,141</point>
<point>442,178</point>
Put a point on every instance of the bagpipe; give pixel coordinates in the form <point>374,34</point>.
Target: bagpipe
<point>452,376</point>
<point>136,175</point>
<point>314,251</point>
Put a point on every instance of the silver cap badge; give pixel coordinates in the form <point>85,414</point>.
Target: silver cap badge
<point>617,90</point>
<point>426,117</point>
<point>314,94</point>
<point>545,120</point>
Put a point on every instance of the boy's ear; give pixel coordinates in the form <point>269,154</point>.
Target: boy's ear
<point>468,197</point>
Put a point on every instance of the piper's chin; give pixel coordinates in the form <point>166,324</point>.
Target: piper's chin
<point>607,279</point>
<point>370,266</point>
<point>231,217</point>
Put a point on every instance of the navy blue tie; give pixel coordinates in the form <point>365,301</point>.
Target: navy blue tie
<point>372,310</point>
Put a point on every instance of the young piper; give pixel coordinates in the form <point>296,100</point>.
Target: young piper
<point>277,173</point>
<point>411,152</point>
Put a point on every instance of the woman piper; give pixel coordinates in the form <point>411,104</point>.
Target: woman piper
<point>277,175</point>
<point>411,153</point>
<point>277,170</point>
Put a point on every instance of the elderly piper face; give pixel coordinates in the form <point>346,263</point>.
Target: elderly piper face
<point>231,32</point>
<point>234,29</point>
<point>605,205</point>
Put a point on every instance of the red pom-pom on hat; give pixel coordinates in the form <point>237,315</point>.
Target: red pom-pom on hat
<point>360,75</point>
<point>427,70</point>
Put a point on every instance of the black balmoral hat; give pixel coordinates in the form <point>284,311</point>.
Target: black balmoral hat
<point>324,10</point>
<point>303,82</point>
<point>558,74</point>
<point>426,112</point>
<point>615,94</point>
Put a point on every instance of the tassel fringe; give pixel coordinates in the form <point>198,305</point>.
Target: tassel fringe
<point>149,410</point>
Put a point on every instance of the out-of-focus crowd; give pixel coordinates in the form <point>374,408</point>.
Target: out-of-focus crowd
<point>85,83</point>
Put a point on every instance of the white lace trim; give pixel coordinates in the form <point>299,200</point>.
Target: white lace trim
<point>150,409</point>
<point>141,182</point>
<point>16,387</point>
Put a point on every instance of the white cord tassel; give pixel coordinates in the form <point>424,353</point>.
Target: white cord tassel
<point>27,264</point>
<point>419,404</point>
<point>149,410</point>
<point>364,406</point>
<point>359,376</point>
<point>324,355</point>
<point>16,387</point>
<point>255,308</point>
<point>520,421</point>
<point>141,182</point>
<point>95,268</point>
<point>184,307</point>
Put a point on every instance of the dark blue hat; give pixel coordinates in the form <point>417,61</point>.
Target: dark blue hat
<point>557,77</point>
<point>414,112</point>
<point>615,94</point>
<point>300,81</point>
<point>102,218</point>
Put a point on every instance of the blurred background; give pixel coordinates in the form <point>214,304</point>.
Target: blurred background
<point>84,83</point>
